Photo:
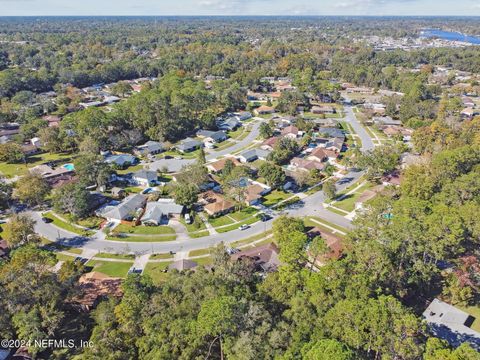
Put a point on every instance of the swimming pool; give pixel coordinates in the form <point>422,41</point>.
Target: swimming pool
<point>69,167</point>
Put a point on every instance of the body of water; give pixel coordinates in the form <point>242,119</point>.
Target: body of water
<point>451,36</point>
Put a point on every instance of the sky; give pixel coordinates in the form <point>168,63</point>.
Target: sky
<point>239,7</point>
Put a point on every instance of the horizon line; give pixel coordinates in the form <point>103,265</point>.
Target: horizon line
<point>244,16</point>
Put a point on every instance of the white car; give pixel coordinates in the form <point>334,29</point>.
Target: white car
<point>244,227</point>
<point>188,218</point>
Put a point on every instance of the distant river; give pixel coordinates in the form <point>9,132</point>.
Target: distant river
<point>451,36</point>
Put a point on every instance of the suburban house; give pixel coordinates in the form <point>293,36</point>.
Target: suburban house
<point>243,116</point>
<point>366,196</point>
<point>120,160</point>
<point>318,154</point>
<point>470,112</point>
<point>323,110</point>
<point>230,124</point>
<point>334,246</point>
<point>144,177</point>
<point>52,120</point>
<point>263,110</point>
<point>149,148</point>
<point>269,144</point>
<point>218,166</point>
<point>451,324</point>
<point>331,132</point>
<point>92,287</point>
<point>255,192</point>
<point>386,120</point>
<point>253,154</point>
<point>189,145</point>
<point>128,209</point>
<point>264,258</point>
<point>212,136</point>
<point>182,264</point>
<point>336,144</point>
<point>291,132</point>
<point>163,209</point>
<point>305,165</point>
<point>60,174</point>
<point>118,192</point>
<point>215,204</point>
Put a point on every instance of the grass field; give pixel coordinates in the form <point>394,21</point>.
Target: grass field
<point>130,169</point>
<point>63,257</point>
<point>157,271</point>
<point>220,221</point>
<point>115,256</point>
<point>237,225</point>
<point>161,256</point>
<point>67,226</point>
<point>244,214</point>
<point>200,252</point>
<point>142,238</point>
<point>348,203</point>
<point>308,222</point>
<point>475,312</point>
<point>275,197</point>
<point>144,230</point>
<point>110,268</point>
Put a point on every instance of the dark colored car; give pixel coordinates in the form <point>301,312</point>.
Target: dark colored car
<point>264,217</point>
<point>46,220</point>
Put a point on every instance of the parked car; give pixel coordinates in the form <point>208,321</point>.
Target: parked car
<point>264,217</point>
<point>244,227</point>
<point>46,220</point>
<point>188,218</point>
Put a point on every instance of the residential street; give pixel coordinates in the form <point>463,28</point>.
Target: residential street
<point>309,206</point>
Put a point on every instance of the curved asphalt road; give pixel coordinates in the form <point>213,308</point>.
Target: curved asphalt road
<point>309,206</point>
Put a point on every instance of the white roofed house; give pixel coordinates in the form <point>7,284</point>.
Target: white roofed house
<point>159,211</point>
<point>253,154</point>
<point>451,324</point>
<point>149,148</point>
<point>128,209</point>
<point>145,177</point>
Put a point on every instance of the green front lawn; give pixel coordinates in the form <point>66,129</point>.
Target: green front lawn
<point>161,256</point>
<point>475,312</point>
<point>130,169</point>
<point>220,221</point>
<point>67,226</point>
<point>110,268</point>
<point>157,271</point>
<point>200,252</point>
<point>142,238</point>
<point>348,203</point>
<point>308,222</point>
<point>244,213</point>
<point>63,257</point>
<point>237,225</point>
<point>144,230</point>
<point>115,256</point>
<point>275,197</point>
